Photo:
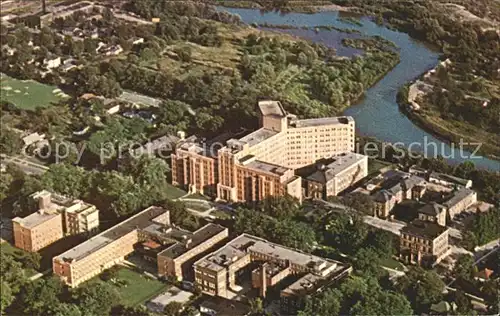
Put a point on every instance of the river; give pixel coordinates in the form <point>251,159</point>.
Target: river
<point>377,114</point>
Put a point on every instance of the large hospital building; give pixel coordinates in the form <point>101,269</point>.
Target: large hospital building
<point>263,162</point>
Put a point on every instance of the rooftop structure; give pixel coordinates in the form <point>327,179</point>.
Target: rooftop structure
<point>150,229</point>
<point>215,305</point>
<point>424,229</point>
<point>35,219</point>
<point>55,217</point>
<point>278,262</point>
<point>136,222</point>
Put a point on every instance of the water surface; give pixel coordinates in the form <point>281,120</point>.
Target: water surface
<point>377,114</point>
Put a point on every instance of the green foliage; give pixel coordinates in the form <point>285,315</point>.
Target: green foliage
<point>345,232</point>
<point>464,268</point>
<point>280,207</point>
<point>6,296</point>
<point>180,216</point>
<point>485,226</point>
<point>357,296</point>
<point>10,141</point>
<point>421,287</point>
<point>173,309</point>
<point>130,311</point>
<point>288,232</point>
<point>96,299</point>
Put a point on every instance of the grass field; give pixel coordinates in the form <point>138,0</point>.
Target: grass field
<point>137,288</point>
<point>393,264</point>
<point>140,288</point>
<point>29,94</point>
<point>174,192</point>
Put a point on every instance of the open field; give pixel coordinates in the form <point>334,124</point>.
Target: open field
<point>134,287</point>
<point>28,94</point>
<point>174,192</point>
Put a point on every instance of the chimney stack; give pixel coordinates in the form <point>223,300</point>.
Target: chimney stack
<point>44,7</point>
<point>44,201</point>
<point>263,280</point>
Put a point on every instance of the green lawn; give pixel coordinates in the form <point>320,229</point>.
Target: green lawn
<point>29,94</point>
<point>140,288</point>
<point>174,192</point>
<point>393,264</point>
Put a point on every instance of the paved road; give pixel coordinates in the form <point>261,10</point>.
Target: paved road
<point>28,167</point>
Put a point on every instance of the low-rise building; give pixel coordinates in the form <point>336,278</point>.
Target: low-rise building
<point>216,273</point>
<point>56,216</point>
<point>433,212</point>
<point>219,306</point>
<point>78,216</point>
<point>460,200</point>
<point>393,187</point>
<point>448,180</point>
<point>37,230</point>
<point>332,176</point>
<point>424,243</point>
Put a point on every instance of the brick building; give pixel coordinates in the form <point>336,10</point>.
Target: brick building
<point>56,216</point>
<point>217,273</point>
<point>424,243</point>
<point>149,232</point>
<point>261,163</point>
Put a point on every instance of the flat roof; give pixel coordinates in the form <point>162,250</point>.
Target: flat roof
<point>271,108</point>
<point>458,196</point>
<point>137,98</point>
<point>35,219</point>
<point>267,167</point>
<point>225,307</point>
<point>196,238</point>
<point>304,285</point>
<point>258,136</point>
<point>245,244</point>
<point>424,229</point>
<point>138,221</point>
<point>449,178</point>
<point>338,120</point>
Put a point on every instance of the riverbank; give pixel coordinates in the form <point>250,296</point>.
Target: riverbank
<point>309,7</point>
<point>470,136</point>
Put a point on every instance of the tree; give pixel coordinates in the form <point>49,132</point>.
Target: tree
<point>39,297</point>
<point>256,306</point>
<point>96,298</point>
<point>421,287</point>
<point>10,141</point>
<point>123,310</point>
<point>6,296</point>
<point>464,305</point>
<point>68,180</point>
<point>184,53</point>
<point>173,309</point>
<point>464,267</point>
<point>326,304</point>
<point>367,262</point>
<point>109,274</point>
